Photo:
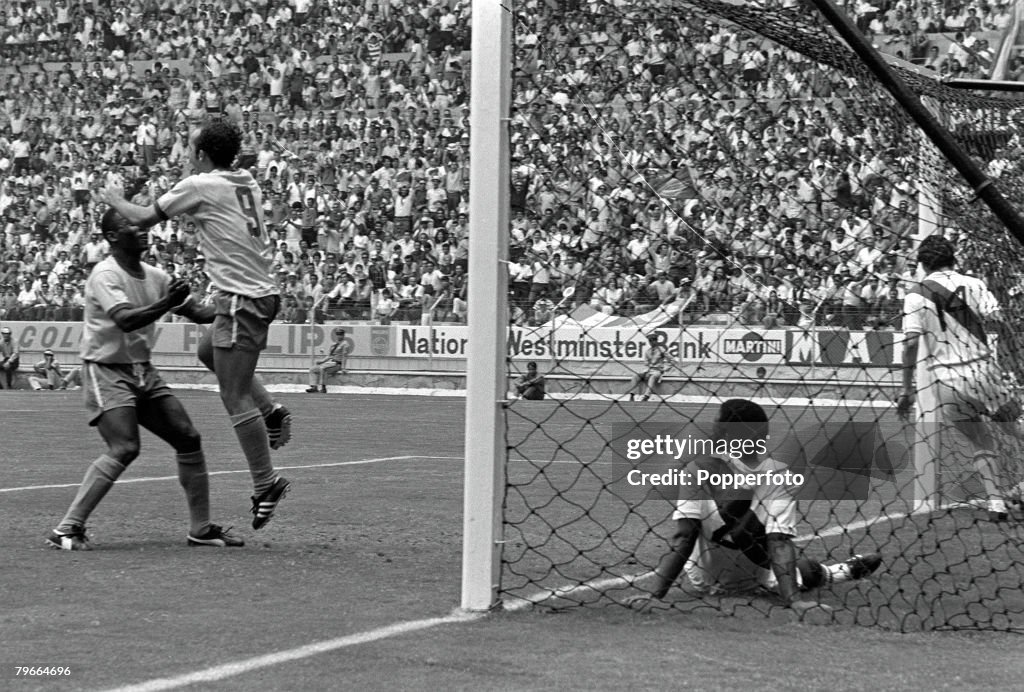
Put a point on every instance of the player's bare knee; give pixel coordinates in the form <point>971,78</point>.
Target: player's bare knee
<point>124,451</point>
<point>232,400</point>
<point>188,440</point>
<point>686,531</point>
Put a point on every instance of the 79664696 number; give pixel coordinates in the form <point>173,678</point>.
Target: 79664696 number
<point>42,670</point>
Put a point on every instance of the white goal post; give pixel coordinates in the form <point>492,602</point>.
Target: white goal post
<point>486,384</point>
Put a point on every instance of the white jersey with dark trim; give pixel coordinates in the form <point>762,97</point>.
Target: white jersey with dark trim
<point>773,503</point>
<point>110,286</point>
<point>227,207</point>
<point>948,310</point>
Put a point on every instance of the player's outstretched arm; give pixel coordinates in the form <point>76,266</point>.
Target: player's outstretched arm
<point>129,318</point>
<point>134,213</point>
<point>671,564</point>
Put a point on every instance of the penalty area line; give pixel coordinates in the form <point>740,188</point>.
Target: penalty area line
<point>153,479</point>
<point>249,665</point>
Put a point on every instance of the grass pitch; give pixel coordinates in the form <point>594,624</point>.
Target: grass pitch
<point>370,536</point>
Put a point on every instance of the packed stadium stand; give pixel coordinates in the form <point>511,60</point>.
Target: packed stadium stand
<point>654,161</point>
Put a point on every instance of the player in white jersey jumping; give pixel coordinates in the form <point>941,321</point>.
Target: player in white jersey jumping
<point>227,208</point>
<point>123,299</point>
<point>738,538</point>
<point>946,319</point>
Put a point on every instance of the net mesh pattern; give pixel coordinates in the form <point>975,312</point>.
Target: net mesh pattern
<point>728,184</point>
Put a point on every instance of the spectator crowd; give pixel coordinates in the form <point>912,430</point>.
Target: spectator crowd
<point>657,157</point>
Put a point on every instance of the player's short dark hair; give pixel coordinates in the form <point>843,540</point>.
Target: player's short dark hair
<point>742,419</point>
<point>221,141</point>
<point>111,222</point>
<point>936,252</point>
<point>741,411</point>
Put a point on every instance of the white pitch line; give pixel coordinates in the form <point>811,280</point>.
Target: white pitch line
<point>521,602</point>
<point>797,401</point>
<point>248,665</point>
<point>152,479</point>
<point>540,462</point>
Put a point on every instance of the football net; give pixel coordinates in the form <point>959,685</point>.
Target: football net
<point>731,180</point>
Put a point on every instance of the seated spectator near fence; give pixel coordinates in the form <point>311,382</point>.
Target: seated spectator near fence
<point>332,364</point>
<point>530,384</point>
<point>656,361</point>
<point>48,373</point>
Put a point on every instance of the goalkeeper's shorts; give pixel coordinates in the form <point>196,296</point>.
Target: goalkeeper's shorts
<point>972,395</point>
<point>969,392</point>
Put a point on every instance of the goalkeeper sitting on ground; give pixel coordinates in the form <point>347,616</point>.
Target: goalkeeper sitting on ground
<point>736,538</point>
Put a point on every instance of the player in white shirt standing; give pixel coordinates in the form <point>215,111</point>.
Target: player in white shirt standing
<point>124,299</point>
<point>227,208</point>
<point>946,319</point>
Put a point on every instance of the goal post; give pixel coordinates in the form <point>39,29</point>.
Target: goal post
<point>486,380</point>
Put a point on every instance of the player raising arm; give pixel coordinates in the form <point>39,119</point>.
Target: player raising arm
<point>123,299</point>
<point>227,209</point>
<point>742,537</point>
<point>945,321</point>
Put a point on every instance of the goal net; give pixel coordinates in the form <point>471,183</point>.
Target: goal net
<point>727,182</point>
